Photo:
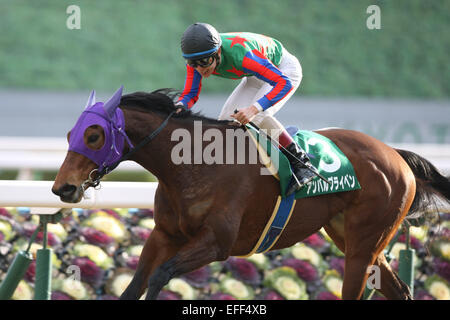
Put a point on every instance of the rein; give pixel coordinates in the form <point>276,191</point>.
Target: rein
<point>94,182</point>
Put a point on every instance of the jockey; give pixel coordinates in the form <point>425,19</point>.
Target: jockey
<point>270,75</point>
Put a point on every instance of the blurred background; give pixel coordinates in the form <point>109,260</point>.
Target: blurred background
<point>392,82</point>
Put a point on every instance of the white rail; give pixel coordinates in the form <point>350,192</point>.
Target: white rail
<point>110,195</point>
<point>28,154</point>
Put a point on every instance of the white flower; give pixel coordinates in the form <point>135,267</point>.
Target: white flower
<point>58,230</point>
<point>183,288</point>
<point>6,229</point>
<point>135,250</point>
<point>334,285</point>
<point>419,233</point>
<point>445,250</point>
<point>288,288</point>
<point>23,292</point>
<point>439,290</point>
<point>109,225</point>
<point>148,223</point>
<point>259,259</point>
<point>303,252</point>
<point>94,253</point>
<point>120,283</point>
<point>74,288</point>
<point>397,248</point>
<point>236,288</point>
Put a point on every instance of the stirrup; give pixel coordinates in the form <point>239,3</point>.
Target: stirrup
<point>295,182</point>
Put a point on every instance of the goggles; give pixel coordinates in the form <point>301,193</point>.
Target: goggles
<point>203,62</point>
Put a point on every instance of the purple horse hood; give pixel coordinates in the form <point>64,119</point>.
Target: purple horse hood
<point>111,119</point>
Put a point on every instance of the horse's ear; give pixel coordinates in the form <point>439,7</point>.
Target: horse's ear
<point>91,100</point>
<point>112,104</point>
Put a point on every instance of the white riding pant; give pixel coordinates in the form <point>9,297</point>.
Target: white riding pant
<point>251,89</point>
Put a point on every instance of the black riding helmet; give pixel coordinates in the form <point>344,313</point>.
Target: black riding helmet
<point>199,41</point>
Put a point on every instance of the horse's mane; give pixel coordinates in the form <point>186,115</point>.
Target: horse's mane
<point>162,101</point>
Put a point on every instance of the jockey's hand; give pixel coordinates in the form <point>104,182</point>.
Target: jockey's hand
<point>180,106</point>
<point>245,115</point>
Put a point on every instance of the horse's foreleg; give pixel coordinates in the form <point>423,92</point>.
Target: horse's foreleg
<point>199,251</point>
<point>391,286</point>
<point>158,249</point>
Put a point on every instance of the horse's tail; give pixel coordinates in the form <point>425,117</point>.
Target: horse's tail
<point>431,185</point>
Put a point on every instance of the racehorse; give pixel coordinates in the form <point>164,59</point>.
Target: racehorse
<point>209,212</point>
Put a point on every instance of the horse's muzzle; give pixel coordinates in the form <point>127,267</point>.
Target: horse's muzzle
<point>68,193</point>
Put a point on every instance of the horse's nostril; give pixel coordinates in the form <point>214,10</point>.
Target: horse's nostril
<point>66,190</point>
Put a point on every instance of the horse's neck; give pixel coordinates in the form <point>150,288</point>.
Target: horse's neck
<point>181,154</point>
<point>160,156</point>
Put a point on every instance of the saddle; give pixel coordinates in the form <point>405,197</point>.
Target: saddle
<point>324,155</point>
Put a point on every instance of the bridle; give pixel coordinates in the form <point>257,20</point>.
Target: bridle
<point>99,174</point>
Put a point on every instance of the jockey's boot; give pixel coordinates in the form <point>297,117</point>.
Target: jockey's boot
<point>303,170</point>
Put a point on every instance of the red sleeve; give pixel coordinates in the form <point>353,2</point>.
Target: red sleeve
<point>192,87</point>
<point>256,63</point>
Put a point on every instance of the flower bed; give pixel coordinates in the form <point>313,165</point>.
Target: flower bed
<point>101,248</point>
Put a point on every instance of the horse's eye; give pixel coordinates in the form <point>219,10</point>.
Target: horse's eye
<point>93,138</point>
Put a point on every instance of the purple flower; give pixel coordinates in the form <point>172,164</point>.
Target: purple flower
<point>28,228</point>
<point>96,237</point>
<point>445,233</point>
<point>415,243</point>
<point>325,295</point>
<point>304,269</point>
<point>52,239</point>
<point>423,295</point>
<point>168,295</point>
<point>338,264</point>
<point>30,274</point>
<point>272,295</point>
<point>244,270</point>
<point>394,265</point>
<point>221,296</point>
<point>108,297</point>
<point>145,213</point>
<point>198,278</point>
<point>112,213</point>
<point>315,240</point>
<point>140,234</point>
<point>132,262</point>
<point>58,295</point>
<point>89,271</point>
<point>5,213</point>
<point>442,268</point>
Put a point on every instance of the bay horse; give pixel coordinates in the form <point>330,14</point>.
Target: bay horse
<point>209,212</point>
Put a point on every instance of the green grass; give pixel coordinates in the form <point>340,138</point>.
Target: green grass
<point>136,43</point>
